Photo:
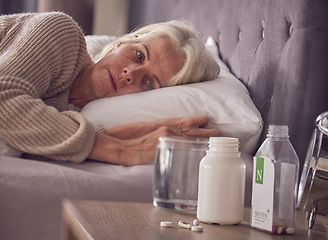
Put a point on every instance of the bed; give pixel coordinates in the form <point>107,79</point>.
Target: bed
<point>277,54</point>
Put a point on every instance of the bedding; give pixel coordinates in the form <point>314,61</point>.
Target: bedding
<point>96,43</point>
<point>6,150</point>
<point>31,192</point>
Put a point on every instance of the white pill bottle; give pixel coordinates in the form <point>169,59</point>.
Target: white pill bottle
<point>221,184</point>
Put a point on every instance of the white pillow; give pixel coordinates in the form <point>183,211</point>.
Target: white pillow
<point>225,100</point>
<point>96,43</point>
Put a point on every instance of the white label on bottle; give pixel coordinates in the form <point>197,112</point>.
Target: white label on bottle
<point>262,195</point>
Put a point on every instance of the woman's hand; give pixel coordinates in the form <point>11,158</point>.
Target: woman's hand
<point>188,126</point>
<point>192,126</point>
<point>136,143</point>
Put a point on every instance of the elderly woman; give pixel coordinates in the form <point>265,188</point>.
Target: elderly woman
<point>46,72</point>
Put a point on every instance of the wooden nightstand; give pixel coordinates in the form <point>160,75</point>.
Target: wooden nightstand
<point>126,220</point>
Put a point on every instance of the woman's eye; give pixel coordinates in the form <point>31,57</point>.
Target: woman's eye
<point>150,85</point>
<point>140,56</point>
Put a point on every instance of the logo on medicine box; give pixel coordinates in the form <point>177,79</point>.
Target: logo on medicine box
<point>259,170</point>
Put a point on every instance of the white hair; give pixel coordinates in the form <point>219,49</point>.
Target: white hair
<point>199,65</point>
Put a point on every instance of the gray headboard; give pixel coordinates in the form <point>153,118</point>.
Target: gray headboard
<point>277,48</point>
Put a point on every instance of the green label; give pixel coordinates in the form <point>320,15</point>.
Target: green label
<point>259,170</point>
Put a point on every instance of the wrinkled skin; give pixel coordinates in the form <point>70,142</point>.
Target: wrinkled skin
<point>136,143</point>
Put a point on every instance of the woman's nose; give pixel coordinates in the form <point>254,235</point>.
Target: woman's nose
<point>128,77</point>
<point>133,75</point>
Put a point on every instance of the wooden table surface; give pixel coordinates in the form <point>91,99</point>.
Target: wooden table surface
<point>127,220</point>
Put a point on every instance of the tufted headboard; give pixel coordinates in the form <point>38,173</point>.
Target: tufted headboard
<point>278,49</point>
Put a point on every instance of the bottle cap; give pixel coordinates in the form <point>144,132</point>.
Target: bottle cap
<point>227,145</point>
<point>278,131</point>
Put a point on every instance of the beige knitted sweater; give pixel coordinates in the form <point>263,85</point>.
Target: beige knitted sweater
<point>40,57</point>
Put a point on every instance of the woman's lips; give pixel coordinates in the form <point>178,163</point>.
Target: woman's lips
<point>112,81</point>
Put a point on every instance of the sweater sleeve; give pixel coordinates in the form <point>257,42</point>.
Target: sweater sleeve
<point>40,57</point>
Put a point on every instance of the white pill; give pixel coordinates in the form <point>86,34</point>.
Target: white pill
<point>196,222</point>
<point>184,224</point>
<point>279,230</point>
<point>290,230</point>
<point>166,224</point>
<point>197,228</point>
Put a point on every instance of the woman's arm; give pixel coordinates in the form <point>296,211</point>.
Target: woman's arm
<point>190,126</point>
<point>126,145</point>
<point>40,55</point>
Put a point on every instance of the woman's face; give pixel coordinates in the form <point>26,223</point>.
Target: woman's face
<point>135,67</point>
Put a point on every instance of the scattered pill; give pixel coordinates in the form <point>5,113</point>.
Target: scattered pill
<point>279,230</point>
<point>197,228</point>
<point>166,224</point>
<point>196,222</point>
<point>290,230</point>
<point>183,224</point>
